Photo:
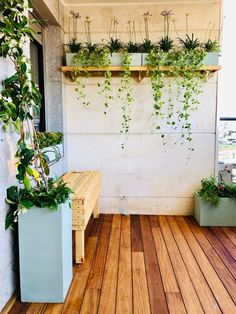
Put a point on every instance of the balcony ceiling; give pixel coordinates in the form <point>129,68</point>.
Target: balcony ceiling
<point>117,2</point>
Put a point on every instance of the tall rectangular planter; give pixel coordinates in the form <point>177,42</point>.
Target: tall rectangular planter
<point>45,251</point>
<point>222,215</point>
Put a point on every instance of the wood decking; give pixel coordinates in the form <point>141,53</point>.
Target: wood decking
<point>151,264</point>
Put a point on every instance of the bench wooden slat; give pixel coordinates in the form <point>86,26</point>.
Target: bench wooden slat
<point>86,186</point>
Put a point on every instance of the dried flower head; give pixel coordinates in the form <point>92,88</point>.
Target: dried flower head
<point>75,15</point>
<point>167,13</point>
<point>146,15</point>
<point>88,20</point>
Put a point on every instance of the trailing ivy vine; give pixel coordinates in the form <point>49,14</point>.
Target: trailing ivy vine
<point>18,98</point>
<point>184,69</point>
<point>95,56</point>
<point>125,93</point>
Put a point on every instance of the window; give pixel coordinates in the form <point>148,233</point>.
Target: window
<point>36,56</point>
<point>227,108</point>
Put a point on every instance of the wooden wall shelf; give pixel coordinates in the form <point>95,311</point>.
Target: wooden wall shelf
<point>140,71</point>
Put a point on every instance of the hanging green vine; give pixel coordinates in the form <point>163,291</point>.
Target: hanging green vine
<point>125,93</point>
<point>18,98</point>
<point>184,67</point>
<point>95,56</point>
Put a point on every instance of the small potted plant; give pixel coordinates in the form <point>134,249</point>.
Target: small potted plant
<point>215,203</point>
<point>212,49</point>
<point>147,46</point>
<point>114,45</point>
<point>74,45</point>
<point>193,52</point>
<point>132,47</point>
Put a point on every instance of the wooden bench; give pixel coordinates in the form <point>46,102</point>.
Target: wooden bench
<point>85,201</point>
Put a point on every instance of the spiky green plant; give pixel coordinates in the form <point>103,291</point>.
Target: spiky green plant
<point>166,43</point>
<point>189,43</point>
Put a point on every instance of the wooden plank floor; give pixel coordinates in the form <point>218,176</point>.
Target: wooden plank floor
<point>150,264</point>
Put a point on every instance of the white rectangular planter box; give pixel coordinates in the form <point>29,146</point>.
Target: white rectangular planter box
<point>222,215</point>
<point>136,59</point>
<point>144,58</point>
<point>69,58</point>
<point>211,58</point>
<point>117,59</point>
<point>45,252</point>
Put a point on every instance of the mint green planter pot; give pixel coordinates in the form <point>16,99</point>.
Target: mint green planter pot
<point>222,215</point>
<point>45,252</point>
<point>136,59</point>
<point>144,58</point>
<point>211,58</point>
<point>116,59</point>
<point>69,58</point>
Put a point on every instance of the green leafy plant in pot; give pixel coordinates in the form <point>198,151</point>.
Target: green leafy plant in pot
<point>73,45</point>
<point>147,45</point>
<point>98,56</point>
<point>19,96</point>
<point>133,47</point>
<point>215,203</point>
<point>36,194</point>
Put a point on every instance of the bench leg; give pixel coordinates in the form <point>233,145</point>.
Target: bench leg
<point>96,210</point>
<point>79,246</point>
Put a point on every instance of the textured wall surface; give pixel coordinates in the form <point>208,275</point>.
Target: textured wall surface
<point>200,15</point>
<point>7,178</point>
<point>145,177</point>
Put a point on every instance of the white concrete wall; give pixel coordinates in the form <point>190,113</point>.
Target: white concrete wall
<point>145,177</point>
<point>7,178</point>
<point>199,17</point>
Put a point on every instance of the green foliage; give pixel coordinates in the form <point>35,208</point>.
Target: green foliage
<point>133,47</point>
<point>211,190</point>
<point>46,139</point>
<point>125,94</point>
<point>74,45</point>
<point>20,200</point>
<point>211,46</point>
<point>147,46</point>
<point>190,43</point>
<point>184,70</point>
<point>18,98</point>
<point>115,45</point>
<point>166,43</point>
<point>96,56</point>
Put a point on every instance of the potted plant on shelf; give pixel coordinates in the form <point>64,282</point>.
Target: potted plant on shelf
<point>212,49</point>
<point>115,47</point>
<point>114,44</point>
<point>147,46</point>
<point>74,45</point>
<point>38,205</point>
<point>215,203</point>
<point>132,47</point>
<point>74,48</point>
<point>97,56</point>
